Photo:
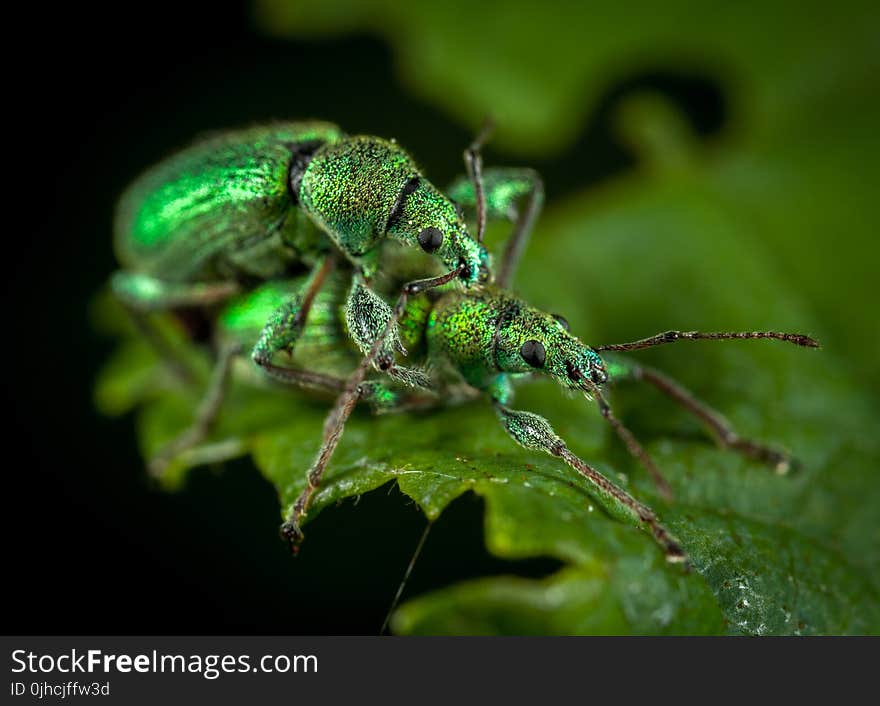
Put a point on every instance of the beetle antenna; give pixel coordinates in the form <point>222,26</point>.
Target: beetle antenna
<point>409,568</point>
<point>797,339</point>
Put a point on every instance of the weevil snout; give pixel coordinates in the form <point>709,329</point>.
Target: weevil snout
<point>587,373</point>
<point>484,271</point>
<point>472,273</point>
<point>473,262</point>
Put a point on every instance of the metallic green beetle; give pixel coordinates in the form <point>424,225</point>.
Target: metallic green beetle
<point>474,341</point>
<point>249,205</point>
<point>478,340</point>
<point>240,203</point>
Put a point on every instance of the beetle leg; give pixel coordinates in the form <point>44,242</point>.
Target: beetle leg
<point>345,404</point>
<point>635,448</point>
<point>380,397</point>
<point>534,432</point>
<point>149,294</point>
<point>287,322</point>
<point>473,160</point>
<point>367,316</point>
<point>622,369</point>
<point>206,416</point>
<point>501,392</point>
<point>514,194</point>
<point>142,295</point>
<point>356,389</point>
<point>280,333</point>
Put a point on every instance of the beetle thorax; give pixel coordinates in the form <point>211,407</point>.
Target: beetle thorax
<point>350,187</point>
<point>462,332</point>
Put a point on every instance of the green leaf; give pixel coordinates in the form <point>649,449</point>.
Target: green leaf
<point>771,554</point>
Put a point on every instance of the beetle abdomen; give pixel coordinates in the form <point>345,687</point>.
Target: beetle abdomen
<point>224,194</point>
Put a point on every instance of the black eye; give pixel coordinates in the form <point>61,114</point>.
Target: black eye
<point>430,239</point>
<point>598,376</point>
<point>562,321</point>
<point>533,353</point>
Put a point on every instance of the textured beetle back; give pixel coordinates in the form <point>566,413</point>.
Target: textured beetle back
<point>350,188</point>
<point>224,192</point>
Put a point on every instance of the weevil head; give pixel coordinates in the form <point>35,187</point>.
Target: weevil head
<point>425,218</point>
<point>528,340</point>
<point>363,189</point>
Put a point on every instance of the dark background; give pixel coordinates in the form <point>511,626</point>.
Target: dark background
<point>91,546</point>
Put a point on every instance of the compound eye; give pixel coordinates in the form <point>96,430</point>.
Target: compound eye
<point>533,353</point>
<point>562,321</point>
<point>430,239</point>
<point>598,376</point>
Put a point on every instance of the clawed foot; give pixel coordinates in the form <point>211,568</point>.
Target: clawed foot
<point>672,550</point>
<point>292,534</point>
<point>781,462</point>
<point>676,555</point>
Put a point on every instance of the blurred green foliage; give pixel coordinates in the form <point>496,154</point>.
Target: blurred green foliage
<point>766,227</point>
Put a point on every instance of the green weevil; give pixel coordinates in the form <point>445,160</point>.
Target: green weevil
<point>245,206</point>
<point>475,341</point>
<point>248,206</point>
